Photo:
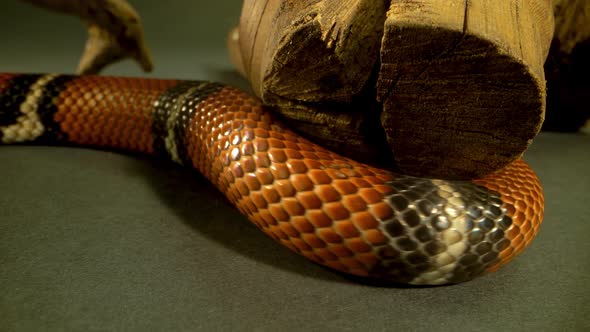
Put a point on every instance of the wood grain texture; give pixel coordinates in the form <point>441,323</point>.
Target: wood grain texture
<point>316,60</point>
<point>312,50</point>
<point>462,83</point>
<point>458,90</point>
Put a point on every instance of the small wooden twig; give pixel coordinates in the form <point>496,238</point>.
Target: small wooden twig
<point>114,32</point>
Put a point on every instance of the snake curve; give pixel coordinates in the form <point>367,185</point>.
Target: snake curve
<point>337,212</point>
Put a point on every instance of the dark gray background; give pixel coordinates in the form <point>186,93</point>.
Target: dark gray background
<point>92,240</point>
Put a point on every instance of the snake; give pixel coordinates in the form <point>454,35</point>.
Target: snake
<point>348,216</point>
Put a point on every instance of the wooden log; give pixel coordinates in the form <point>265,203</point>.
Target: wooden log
<point>568,67</point>
<point>310,50</point>
<point>316,59</point>
<point>460,82</point>
<point>331,124</point>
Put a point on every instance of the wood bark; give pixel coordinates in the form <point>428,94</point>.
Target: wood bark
<point>316,60</point>
<point>568,67</point>
<point>310,50</point>
<point>456,88</point>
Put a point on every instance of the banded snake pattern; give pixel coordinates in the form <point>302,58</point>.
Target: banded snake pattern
<point>337,212</point>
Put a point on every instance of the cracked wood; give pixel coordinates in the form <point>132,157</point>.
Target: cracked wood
<point>462,83</point>
<point>457,91</point>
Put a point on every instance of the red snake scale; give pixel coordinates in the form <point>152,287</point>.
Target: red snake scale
<point>336,212</point>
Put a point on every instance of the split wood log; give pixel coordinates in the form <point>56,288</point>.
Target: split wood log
<point>317,59</point>
<point>459,84</point>
<point>568,67</point>
<point>311,50</point>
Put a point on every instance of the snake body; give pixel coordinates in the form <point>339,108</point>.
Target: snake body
<point>339,213</point>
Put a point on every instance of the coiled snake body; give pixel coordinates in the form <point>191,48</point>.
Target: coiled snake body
<point>337,212</point>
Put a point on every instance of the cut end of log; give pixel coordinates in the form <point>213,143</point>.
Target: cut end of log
<point>462,83</point>
<point>456,105</point>
<point>310,51</point>
<point>305,68</point>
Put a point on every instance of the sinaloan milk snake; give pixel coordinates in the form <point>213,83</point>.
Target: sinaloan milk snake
<point>336,212</point>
